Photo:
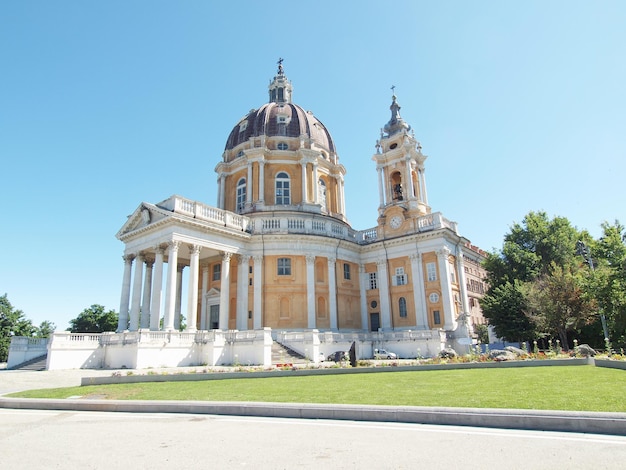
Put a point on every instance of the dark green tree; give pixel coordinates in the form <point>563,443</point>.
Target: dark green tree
<point>530,251</point>
<point>557,303</point>
<point>607,281</point>
<point>94,319</point>
<point>45,329</point>
<point>12,323</point>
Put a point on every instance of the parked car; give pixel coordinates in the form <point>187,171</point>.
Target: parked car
<point>338,356</point>
<point>384,354</point>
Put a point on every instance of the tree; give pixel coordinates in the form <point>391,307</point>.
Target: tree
<point>607,281</point>
<point>556,302</point>
<point>531,251</point>
<point>45,329</point>
<point>504,307</point>
<point>12,323</point>
<point>94,320</point>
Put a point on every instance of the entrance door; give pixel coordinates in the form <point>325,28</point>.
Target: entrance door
<point>374,321</point>
<point>214,321</point>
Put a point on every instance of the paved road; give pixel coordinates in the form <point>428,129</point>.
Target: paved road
<point>93,440</point>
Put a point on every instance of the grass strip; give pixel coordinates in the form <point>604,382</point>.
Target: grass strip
<point>583,388</point>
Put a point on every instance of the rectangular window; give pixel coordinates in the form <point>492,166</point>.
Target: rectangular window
<point>217,272</point>
<point>400,279</point>
<point>284,266</point>
<point>346,271</point>
<point>431,271</point>
<point>373,284</point>
<point>436,317</point>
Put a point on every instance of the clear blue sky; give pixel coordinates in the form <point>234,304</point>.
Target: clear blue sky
<point>520,106</point>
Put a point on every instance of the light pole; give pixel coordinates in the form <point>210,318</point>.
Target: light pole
<point>585,252</point>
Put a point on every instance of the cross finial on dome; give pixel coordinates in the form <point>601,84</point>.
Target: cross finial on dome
<point>393,90</point>
<point>280,66</point>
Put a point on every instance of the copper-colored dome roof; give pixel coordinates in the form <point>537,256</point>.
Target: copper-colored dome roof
<point>264,121</point>
<point>281,118</point>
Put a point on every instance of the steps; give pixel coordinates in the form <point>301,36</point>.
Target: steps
<point>281,354</point>
<point>35,364</point>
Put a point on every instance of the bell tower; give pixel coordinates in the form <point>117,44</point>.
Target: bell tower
<point>401,180</point>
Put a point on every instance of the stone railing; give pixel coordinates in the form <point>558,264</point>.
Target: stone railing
<point>204,212</point>
<point>304,223</point>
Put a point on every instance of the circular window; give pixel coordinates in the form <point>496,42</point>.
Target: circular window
<point>393,146</point>
<point>240,153</point>
<point>374,304</point>
<point>434,297</point>
<point>282,146</point>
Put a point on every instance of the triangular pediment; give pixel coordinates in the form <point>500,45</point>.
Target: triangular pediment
<point>213,292</point>
<point>143,216</point>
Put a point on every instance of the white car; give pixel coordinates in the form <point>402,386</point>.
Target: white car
<point>384,354</point>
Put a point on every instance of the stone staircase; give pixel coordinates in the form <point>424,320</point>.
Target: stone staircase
<point>281,354</point>
<point>35,364</point>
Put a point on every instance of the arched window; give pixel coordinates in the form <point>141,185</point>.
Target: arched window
<point>241,194</point>
<point>282,146</point>
<point>283,192</point>
<point>402,306</point>
<point>321,193</point>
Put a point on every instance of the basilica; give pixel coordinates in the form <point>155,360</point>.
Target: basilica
<point>275,258</point>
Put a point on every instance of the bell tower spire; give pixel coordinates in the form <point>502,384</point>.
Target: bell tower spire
<point>400,165</point>
<point>280,88</point>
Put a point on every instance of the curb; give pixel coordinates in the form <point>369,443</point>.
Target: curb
<point>560,421</point>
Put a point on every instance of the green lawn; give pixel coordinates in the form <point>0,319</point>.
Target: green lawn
<point>580,388</point>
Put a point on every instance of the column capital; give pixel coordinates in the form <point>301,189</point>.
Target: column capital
<point>194,249</point>
<point>149,262</point>
<point>174,245</point>
<point>257,259</point>
<point>310,259</point>
<point>331,260</point>
<point>160,249</point>
<point>381,263</point>
<point>226,256</point>
<point>128,258</point>
<point>415,256</point>
<point>243,258</point>
<point>444,252</point>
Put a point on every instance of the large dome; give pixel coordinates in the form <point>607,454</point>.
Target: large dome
<point>281,118</point>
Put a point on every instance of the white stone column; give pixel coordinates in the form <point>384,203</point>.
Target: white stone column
<point>179,296</point>
<point>419,296</point>
<point>219,191</point>
<point>249,185</point>
<point>122,323</point>
<point>225,291</point>
<point>381,192</point>
<point>316,185</point>
<point>147,291</point>
<point>157,287</point>
<point>460,269</point>
<point>135,306</point>
<point>422,173</point>
<point>262,182</point>
<point>383,292</point>
<point>332,292</point>
<point>446,289</point>
<point>409,180</point>
<point>342,198</point>
<point>364,280</point>
<point>310,291</point>
<point>242,292</point>
<point>304,185</point>
<point>192,292</point>
<point>170,289</point>
<point>222,189</point>
<point>257,292</point>
<point>205,288</point>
